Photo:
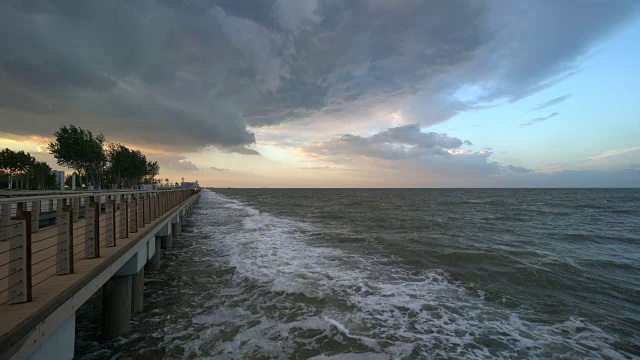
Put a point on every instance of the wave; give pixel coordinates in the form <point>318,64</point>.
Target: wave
<point>387,309</point>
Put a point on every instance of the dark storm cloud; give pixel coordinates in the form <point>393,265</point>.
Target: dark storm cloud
<point>552,102</point>
<point>537,120</point>
<point>194,74</point>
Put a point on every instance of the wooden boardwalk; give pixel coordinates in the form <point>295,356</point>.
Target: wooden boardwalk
<point>46,284</point>
<point>47,273</point>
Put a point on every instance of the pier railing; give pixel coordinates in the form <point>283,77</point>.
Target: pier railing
<point>43,236</point>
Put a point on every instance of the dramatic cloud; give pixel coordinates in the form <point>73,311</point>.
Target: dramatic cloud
<point>194,74</point>
<point>537,120</point>
<point>551,102</point>
<point>403,142</point>
<point>405,149</point>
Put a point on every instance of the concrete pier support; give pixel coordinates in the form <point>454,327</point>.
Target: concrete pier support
<point>137,292</point>
<point>156,260</point>
<point>167,241</point>
<point>175,229</point>
<point>116,306</point>
<point>183,221</point>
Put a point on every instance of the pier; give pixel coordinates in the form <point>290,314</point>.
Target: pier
<point>57,250</point>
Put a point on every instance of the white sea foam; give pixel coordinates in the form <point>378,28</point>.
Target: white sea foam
<point>389,310</point>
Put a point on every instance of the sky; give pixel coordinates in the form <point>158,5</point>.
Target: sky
<point>332,93</point>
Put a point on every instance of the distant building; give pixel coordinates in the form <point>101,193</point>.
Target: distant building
<point>189,185</point>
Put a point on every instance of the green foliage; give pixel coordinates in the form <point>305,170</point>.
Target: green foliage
<point>26,171</point>
<point>41,175</point>
<point>79,149</point>
<point>152,170</point>
<point>127,167</point>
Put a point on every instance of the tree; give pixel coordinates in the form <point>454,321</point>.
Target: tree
<point>27,171</point>
<point>8,163</point>
<point>24,165</point>
<point>79,149</point>
<point>152,170</point>
<point>126,167</point>
<point>41,174</point>
<point>18,164</point>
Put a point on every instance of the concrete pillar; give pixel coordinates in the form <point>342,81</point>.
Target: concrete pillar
<point>156,260</point>
<point>137,292</point>
<point>61,177</point>
<point>167,241</point>
<point>116,307</point>
<point>183,221</point>
<point>73,181</point>
<point>175,229</point>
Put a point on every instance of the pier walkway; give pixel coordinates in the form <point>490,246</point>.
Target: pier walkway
<point>58,250</point>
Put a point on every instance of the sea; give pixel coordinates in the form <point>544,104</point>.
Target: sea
<point>392,274</point>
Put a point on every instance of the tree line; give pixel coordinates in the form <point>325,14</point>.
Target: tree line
<point>26,172</point>
<point>98,164</point>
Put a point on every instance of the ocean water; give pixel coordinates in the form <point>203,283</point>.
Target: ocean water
<point>385,274</point>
